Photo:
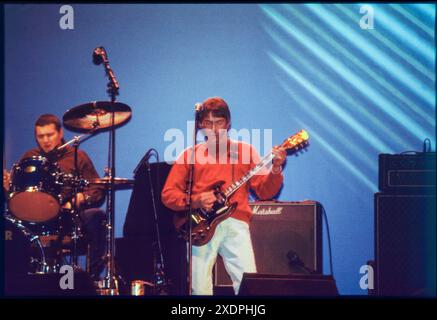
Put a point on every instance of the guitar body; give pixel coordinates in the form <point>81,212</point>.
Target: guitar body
<point>204,223</point>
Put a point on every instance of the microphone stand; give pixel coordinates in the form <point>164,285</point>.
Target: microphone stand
<point>190,205</point>
<point>110,282</point>
<point>160,280</point>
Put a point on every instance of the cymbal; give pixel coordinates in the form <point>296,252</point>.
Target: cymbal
<point>98,114</point>
<point>118,182</point>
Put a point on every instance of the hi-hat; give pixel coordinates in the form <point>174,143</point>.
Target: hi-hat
<point>96,115</point>
<point>118,182</point>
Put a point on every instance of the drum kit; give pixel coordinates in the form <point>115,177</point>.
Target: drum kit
<point>35,200</point>
<point>34,210</point>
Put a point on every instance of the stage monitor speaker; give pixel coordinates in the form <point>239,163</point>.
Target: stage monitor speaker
<point>140,218</point>
<point>286,238</point>
<point>137,252</point>
<point>405,245</point>
<point>256,284</point>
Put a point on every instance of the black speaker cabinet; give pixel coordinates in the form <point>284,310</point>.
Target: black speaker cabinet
<point>140,217</point>
<point>286,238</point>
<point>256,284</point>
<point>137,253</point>
<point>405,245</point>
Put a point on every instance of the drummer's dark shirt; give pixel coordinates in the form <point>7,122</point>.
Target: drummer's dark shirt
<point>65,161</point>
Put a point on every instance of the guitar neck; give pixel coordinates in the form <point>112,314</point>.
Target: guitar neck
<point>240,182</point>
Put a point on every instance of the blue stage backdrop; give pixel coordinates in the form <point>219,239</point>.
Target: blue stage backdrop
<point>361,83</point>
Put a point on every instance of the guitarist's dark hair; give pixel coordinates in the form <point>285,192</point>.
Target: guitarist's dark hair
<point>218,107</point>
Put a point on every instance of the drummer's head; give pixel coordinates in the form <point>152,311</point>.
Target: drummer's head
<point>48,132</point>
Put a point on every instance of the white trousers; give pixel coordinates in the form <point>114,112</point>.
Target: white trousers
<point>232,241</point>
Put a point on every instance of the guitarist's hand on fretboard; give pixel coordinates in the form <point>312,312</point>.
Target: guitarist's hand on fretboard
<point>280,155</point>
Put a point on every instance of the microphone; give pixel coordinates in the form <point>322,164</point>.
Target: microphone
<point>293,258</point>
<point>145,158</point>
<point>99,55</point>
<point>295,261</point>
<point>198,107</point>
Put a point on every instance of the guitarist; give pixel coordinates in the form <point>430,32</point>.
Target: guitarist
<point>220,158</point>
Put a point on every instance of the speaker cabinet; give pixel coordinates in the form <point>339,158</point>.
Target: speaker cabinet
<point>137,253</point>
<point>286,238</point>
<point>255,284</point>
<point>140,218</point>
<point>405,245</point>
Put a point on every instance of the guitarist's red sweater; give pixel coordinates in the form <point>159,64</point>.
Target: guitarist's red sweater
<point>208,171</point>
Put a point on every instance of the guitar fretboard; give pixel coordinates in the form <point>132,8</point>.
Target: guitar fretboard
<point>240,182</point>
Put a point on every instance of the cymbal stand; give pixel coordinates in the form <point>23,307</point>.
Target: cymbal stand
<point>76,184</point>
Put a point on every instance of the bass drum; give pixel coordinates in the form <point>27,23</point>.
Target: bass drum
<point>24,253</point>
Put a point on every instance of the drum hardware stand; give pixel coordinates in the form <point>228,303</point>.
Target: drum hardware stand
<point>75,211</point>
<point>110,284</point>
<point>85,136</point>
<point>160,281</point>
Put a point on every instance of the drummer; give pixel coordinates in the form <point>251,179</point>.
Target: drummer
<point>49,136</point>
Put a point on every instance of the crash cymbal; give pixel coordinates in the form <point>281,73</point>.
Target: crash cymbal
<point>118,182</point>
<point>98,114</point>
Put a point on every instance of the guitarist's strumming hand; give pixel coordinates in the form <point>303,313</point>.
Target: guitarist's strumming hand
<point>204,200</point>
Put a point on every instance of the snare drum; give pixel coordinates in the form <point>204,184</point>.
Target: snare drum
<point>35,190</point>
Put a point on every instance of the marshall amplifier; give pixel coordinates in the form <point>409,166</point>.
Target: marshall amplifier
<point>407,173</point>
<point>286,239</point>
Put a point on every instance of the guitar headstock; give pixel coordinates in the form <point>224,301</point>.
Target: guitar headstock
<point>297,141</point>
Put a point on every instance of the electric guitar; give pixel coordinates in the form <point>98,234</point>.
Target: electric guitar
<point>205,222</point>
